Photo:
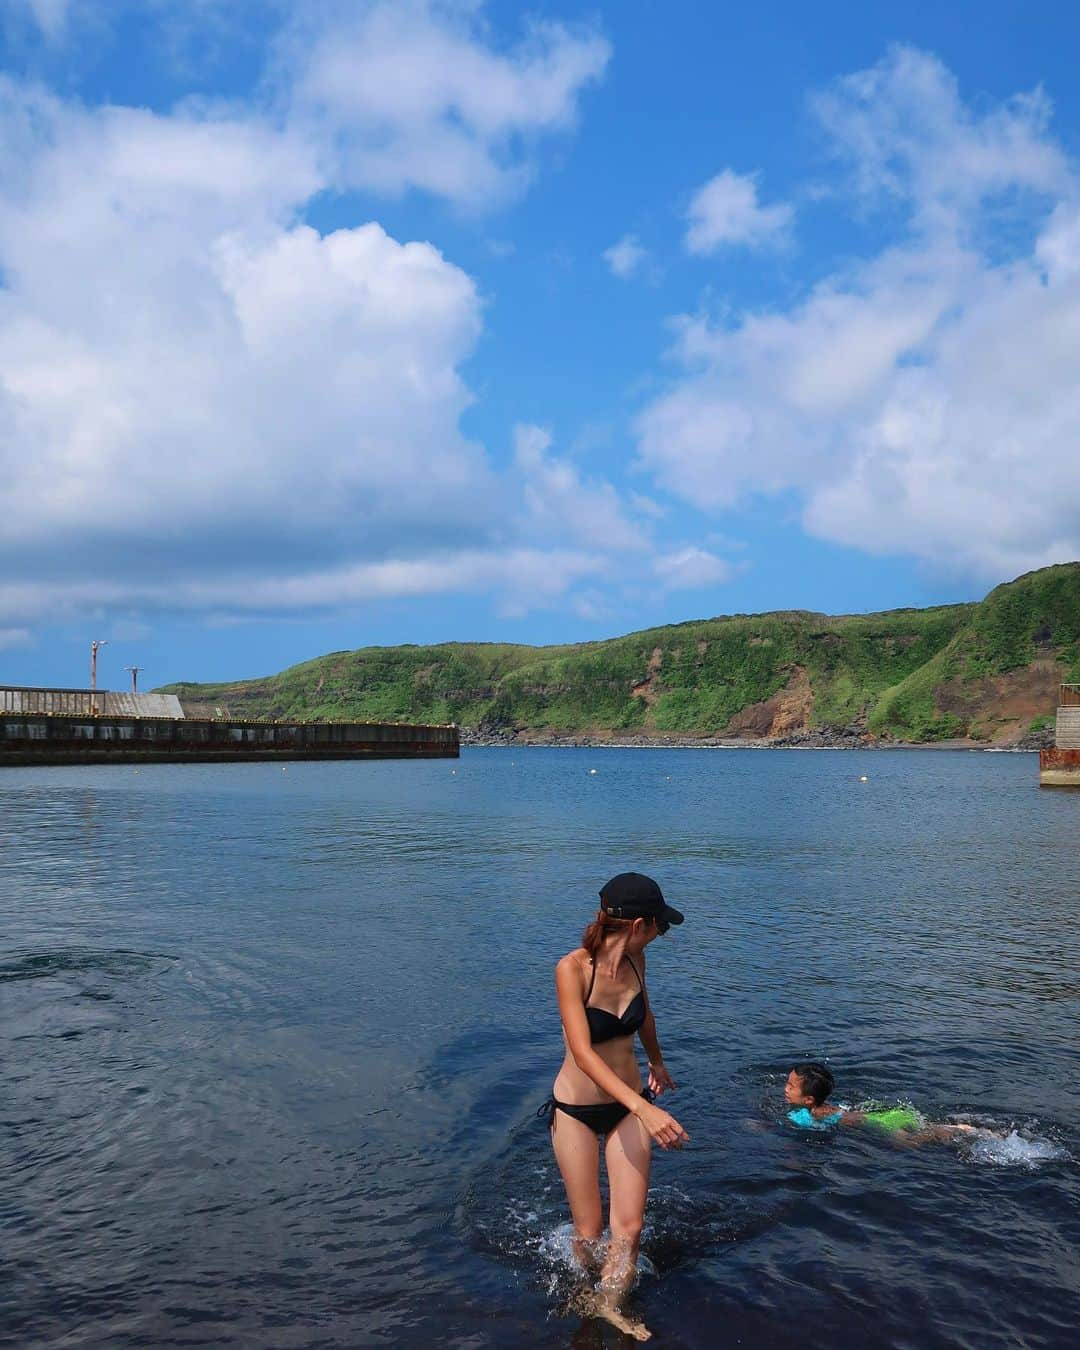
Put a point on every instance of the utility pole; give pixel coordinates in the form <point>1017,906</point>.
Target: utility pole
<point>98,642</point>
<point>134,677</point>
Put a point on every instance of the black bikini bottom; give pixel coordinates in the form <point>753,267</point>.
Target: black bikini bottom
<point>600,1118</point>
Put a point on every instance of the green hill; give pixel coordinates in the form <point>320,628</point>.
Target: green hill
<point>985,671</point>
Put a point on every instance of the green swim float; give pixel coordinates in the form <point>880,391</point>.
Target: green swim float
<point>895,1119</point>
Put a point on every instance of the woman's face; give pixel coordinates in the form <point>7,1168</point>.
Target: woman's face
<point>643,933</point>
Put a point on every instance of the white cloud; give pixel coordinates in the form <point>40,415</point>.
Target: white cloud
<point>11,638</point>
<point>411,93</point>
<point>626,257</point>
<point>129,630</point>
<point>205,404</point>
<point>690,569</point>
<point>50,16</point>
<point>1057,248</point>
<point>590,606</point>
<point>923,402</point>
<point>178,357</point>
<point>756,409</point>
<point>726,211</point>
<point>562,506</point>
<point>529,577</point>
<point>905,131</point>
<point>970,455</point>
<point>394,94</point>
<point>646,506</point>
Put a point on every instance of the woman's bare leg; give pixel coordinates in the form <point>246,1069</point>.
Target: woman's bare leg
<point>628,1155</point>
<point>577,1151</point>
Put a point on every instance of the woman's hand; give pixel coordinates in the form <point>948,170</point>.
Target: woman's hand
<point>659,1079</point>
<point>663,1128</point>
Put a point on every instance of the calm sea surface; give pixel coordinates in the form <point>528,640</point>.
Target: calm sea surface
<point>273,1043</point>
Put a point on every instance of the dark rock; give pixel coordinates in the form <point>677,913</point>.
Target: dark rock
<point>1042,739</point>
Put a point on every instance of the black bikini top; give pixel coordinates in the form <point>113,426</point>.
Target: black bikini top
<point>604,1025</point>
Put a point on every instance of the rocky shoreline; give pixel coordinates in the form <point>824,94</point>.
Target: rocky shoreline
<point>825,738</point>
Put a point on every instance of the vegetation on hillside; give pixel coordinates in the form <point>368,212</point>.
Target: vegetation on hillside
<point>1036,616</point>
<point>888,673</point>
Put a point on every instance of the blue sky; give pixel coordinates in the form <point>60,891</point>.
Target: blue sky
<point>339,323</point>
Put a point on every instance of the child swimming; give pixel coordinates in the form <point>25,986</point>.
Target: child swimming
<point>809,1087</point>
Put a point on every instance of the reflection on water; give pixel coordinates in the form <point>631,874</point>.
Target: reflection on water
<point>274,1043</point>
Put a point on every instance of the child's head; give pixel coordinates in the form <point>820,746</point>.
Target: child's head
<point>808,1085</point>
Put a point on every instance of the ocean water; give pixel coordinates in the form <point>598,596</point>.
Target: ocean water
<point>273,1042</point>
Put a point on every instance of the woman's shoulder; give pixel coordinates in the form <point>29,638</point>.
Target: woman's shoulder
<point>578,957</point>
<point>576,962</point>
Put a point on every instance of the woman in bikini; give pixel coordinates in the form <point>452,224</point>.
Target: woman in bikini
<point>598,1092</point>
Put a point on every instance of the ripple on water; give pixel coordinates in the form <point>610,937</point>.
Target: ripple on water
<point>73,963</point>
<point>67,993</point>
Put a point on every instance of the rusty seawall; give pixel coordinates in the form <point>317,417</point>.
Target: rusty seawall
<point>1060,767</point>
<point>36,738</point>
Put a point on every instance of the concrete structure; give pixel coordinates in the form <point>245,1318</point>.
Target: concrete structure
<point>1067,735</point>
<point>96,726</point>
<point>30,738</point>
<point>1060,767</point>
<point>87,702</point>
<point>86,726</point>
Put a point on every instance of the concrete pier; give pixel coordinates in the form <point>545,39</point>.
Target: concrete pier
<point>78,738</point>
<point>1060,767</point>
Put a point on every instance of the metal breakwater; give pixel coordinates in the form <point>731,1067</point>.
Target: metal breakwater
<point>29,739</point>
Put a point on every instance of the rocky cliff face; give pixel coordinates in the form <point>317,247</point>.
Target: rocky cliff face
<point>987,673</point>
<point>787,713</point>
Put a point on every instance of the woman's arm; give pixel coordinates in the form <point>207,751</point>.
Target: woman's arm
<point>568,983</point>
<point>649,1039</point>
<point>659,1078</point>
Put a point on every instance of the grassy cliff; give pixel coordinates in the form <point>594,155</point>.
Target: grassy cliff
<point>984,671</point>
<point>1000,670</point>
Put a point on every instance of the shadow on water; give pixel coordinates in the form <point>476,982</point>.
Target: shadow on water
<point>65,993</point>
<point>75,963</point>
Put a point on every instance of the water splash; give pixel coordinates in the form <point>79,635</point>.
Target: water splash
<point>1015,1150</point>
<point>556,1250</point>
<point>534,1237</point>
<point>533,1231</point>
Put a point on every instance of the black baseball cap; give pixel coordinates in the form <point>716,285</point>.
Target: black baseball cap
<point>631,895</point>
